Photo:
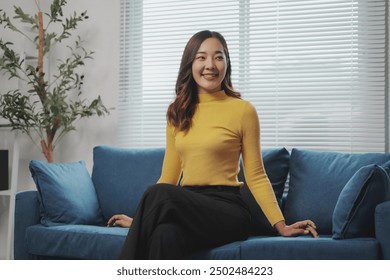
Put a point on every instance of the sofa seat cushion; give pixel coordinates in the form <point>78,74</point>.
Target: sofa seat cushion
<point>309,248</point>
<point>97,242</point>
<point>76,241</point>
<point>229,251</point>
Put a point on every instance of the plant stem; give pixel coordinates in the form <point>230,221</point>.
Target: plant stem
<point>47,150</point>
<point>38,6</point>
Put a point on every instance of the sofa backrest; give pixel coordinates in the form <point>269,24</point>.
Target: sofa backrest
<point>121,175</point>
<point>316,181</point>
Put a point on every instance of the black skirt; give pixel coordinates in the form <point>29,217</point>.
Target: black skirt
<point>172,222</point>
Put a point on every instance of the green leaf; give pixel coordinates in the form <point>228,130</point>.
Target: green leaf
<point>56,9</point>
<point>25,18</point>
<point>47,41</point>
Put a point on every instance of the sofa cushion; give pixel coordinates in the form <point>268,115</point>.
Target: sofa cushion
<point>309,248</point>
<point>354,212</point>
<point>76,241</point>
<point>276,164</point>
<point>98,243</point>
<point>230,251</point>
<point>66,193</point>
<point>121,175</point>
<point>316,181</point>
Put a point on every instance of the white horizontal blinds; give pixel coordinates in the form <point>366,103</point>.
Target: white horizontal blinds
<point>130,84</point>
<point>313,68</point>
<point>317,73</point>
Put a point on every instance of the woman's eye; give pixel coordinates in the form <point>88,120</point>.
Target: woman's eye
<point>219,57</point>
<point>200,58</point>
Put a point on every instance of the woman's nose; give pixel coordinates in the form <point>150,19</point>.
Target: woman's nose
<point>209,64</point>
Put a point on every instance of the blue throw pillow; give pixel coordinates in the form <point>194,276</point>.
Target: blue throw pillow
<point>276,165</point>
<point>66,193</point>
<point>353,215</point>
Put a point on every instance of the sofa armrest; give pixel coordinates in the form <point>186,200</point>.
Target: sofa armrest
<point>382,227</point>
<point>26,214</point>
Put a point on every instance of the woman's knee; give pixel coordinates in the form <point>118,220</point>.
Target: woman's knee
<point>160,190</point>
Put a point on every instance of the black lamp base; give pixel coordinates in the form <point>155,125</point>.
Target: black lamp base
<point>4,180</point>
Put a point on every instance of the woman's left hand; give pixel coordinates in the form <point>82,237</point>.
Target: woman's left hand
<point>298,228</point>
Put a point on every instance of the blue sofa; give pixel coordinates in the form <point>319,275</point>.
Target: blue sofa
<point>347,195</point>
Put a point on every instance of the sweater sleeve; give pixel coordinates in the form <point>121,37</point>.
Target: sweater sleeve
<point>254,172</point>
<point>171,168</point>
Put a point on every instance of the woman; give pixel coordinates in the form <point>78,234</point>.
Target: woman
<point>208,127</point>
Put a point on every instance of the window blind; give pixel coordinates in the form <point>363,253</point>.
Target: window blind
<point>314,69</point>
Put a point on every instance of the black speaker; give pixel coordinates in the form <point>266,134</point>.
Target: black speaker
<point>4,182</point>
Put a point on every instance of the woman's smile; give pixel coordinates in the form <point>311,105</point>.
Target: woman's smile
<point>210,76</point>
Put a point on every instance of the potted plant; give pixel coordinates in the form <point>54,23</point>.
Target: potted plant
<point>50,105</point>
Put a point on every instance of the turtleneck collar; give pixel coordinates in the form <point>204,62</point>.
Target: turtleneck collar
<point>209,97</point>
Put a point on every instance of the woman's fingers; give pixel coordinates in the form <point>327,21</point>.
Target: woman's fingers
<point>120,220</point>
<point>112,220</point>
<point>312,231</point>
<point>307,227</point>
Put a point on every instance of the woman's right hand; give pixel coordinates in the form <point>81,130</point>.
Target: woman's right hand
<point>120,220</point>
<point>303,227</point>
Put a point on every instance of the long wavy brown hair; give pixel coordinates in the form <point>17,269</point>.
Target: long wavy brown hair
<point>183,108</point>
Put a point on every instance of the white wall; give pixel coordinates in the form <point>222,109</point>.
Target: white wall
<point>101,33</point>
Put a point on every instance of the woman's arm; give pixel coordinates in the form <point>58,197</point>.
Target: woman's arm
<point>258,181</point>
<point>254,171</point>
<point>171,169</point>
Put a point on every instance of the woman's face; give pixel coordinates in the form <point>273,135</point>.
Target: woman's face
<point>209,66</point>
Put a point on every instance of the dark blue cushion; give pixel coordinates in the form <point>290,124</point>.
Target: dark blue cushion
<point>316,181</point>
<point>121,176</point>
<point>66,193</point>
<point>276,164</point>
<point>353,215</point>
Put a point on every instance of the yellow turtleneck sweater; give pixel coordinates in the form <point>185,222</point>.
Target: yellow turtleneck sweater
<point>222,128</point>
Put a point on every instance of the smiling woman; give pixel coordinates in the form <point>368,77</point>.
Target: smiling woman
<point>197,203</point>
